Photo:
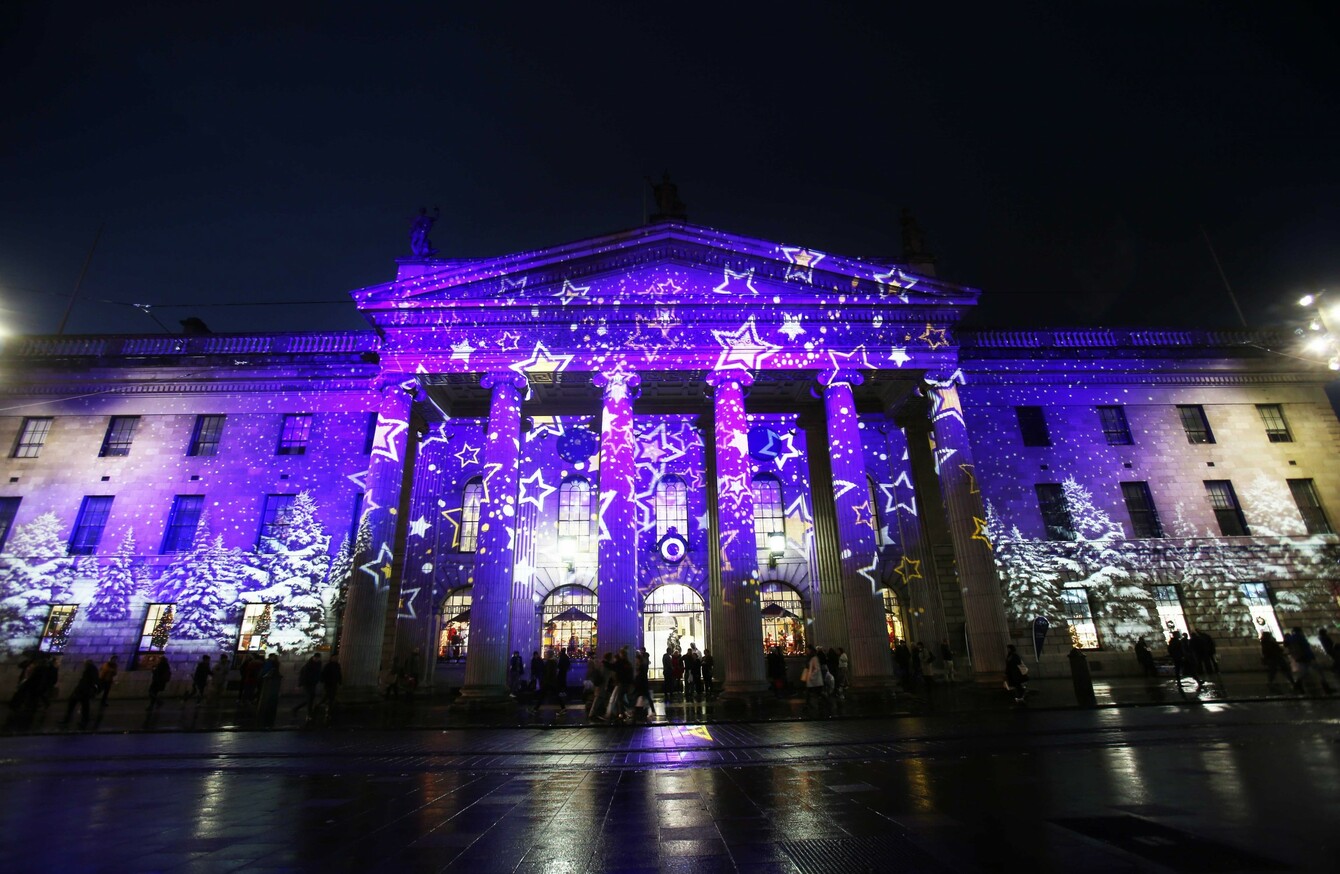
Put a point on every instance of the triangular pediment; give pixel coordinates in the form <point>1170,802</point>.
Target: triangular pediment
<point>668,262</point>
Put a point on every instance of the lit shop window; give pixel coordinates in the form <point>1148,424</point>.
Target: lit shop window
<point>569,622</point>
<point>207,435</point>
<point>672,611</point>
<point>893,617</point>
<point>294,434</point>
<point>32,436</point>
<point>120,434</point>
<point>1272,417</point>
<point>1078,615</point>
<point>89,525</point>
<point>157,628</point>
<point>57,631</point>
<point>255,628</point>
<point>672,507</point>
<point>1171,615</point>
<point>471,497</point>
<point>454,641</point>
<point>783,618</point>
<point>1261,609</point>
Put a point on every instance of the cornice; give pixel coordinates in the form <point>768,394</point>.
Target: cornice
<point>169,387</point>
<point>1054,379</point>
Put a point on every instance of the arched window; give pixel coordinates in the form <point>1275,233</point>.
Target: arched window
<point>783,618</point>
<point>874,507</point>
<point>769,513</point>
<point>672,616</point>
<point>893,618</point>
<point>454,641</point>
<point>574,514</point>
<point>471,497</point>
<point>672,507</point>
<point>569,622</point>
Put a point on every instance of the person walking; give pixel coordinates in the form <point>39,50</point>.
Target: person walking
<point>199,680</point>
<point>309,678</point>
<point>603,689</point>
<point>777,671</point>
<point>813,678</point>
<point>515,671</point>
<point>271,676</point>
<point>708,664</point>
<point>83,692</point>
<point>623,674</point>
<point>902,661</point>
<point>1273,657</point>
<point>331,678</point>
<point>947,661</point>
<point>1145,658</point>
<point>693,670</point>
<point>251,680</point>
<point>1300,648</point>
<point>158,680</point>
<point>1328,647</point>
<point>643,704</point>
<point>564,666</point>
<point>536,670</point>
<point>1016,676</point>
<point>106,677</point>
<point>549,687</point>
<point>667,672</point>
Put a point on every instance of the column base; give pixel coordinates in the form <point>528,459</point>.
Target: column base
<point>473,698</point>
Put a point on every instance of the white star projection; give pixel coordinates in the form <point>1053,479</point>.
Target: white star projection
<point>895,282</point>
<point>536,493</point>
<point>386,438</point>
<point>379,568</point>
<point>461,352</point>
<point>898,355</point>
<point>788,440</point>
<point>791,326</point>
<point>407,597</point>
<point>419,527</point>
<point>509,341</point>
<point>541,361</point>
<point>743,348</point>
<point>737,284</point>
<point>800,263</point>
<point>569,292</point>
<point>544,426</point>
<point>468,455</point>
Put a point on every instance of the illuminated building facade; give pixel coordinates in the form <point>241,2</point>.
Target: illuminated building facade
<point>666,436</point>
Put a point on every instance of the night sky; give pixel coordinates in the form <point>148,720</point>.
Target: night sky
<point>1061,159</point>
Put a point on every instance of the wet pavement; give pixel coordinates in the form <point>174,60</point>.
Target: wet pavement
<point>1210,786</point>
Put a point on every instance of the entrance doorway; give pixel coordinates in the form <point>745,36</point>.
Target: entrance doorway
<point>673,612</point>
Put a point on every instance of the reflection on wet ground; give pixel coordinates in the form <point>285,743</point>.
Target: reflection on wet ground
<point>1237,787</point>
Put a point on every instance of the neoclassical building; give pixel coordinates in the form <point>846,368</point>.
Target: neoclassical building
<point>666,435</point>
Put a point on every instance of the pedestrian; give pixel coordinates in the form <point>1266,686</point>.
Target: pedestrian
<point>331,678</point>
<point>32,675</point>
<point>1016,675</point>
<point>48,677</point>
<point>536,670</point>
<point>250,689</point>
<point>564,665</point>
<point>158,680</point>
<point>549,687</point>
<point>593,684</point>
<point>677,673</point>
<point>1328,647</point>
<point>309,678</point>
<point>777,671</point>
<point>271,677</point>
<point>902,663</point>
<point>1179,650</point>
<point>515,671</point>
<point>667,671</point>
<point>199,680</point>
<point>83,692</point>
<point>708,664</point>
<point>603,689</point>
<point>1211,659</point>
<point>1300,648</point>
<point>813,678</point>
<point>220,679</point>
<point>929,669</point>
<point>1145,658</point>
<point>915,663</point>
<point>693,670</point>
<point>617,709</point>
<point>947,661</point>
<point>1272,656</point>
<point>106,677</point>
<point>643,704</point>
<point>1200,651</point>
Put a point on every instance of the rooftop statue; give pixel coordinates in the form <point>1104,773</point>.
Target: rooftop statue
<point>419,244</point>
<point>668,204</point>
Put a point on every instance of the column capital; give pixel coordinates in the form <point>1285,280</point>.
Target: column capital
<point>718,379</point>
<point>496,378</point>
<point>406,382</point>
<point>836,376</point>
<point>619,383</point>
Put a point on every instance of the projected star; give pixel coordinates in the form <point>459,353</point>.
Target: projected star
<point>842,487</point>
<point>979,531</point>
<point>407,597</point>
<point>869,573</point>
<point>359,479</point>
<point>569,292</point>
<point>789,441</point>
<point>512,284</point>
<point>380,567</point>
<point>544,426</point>
<point>791,326</point>
<point>908,569</point>
<point>899,355</point>
<point>864,516</point>
<point>419,527</point>
<point>508,341</point>
<point>490,471</point>
<point>737,284</point>
<point>468,455</point>
<point>540,361</point>
<point>384,440</point>
<point>972,478</point>
<point>743,347</point>
<point>461,351</point>
<point>453,517</point>
<point>895,282</point>
<point>801,263</point>
<point>933,337</point>
<point>853,360</point>
<point>539,491</point>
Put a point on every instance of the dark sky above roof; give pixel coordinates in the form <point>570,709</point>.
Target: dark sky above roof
<point>1062,157</point>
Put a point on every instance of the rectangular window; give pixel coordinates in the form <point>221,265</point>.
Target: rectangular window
<point>1140,506</point>
<point>255,627</point>
<point>1261,609</point>
<point>57,632</point>
<point>206,436</point>
<point>157,628</point>
<point>93,513</point>
<point>1172,617</point>
<point>1309,506</point>
<point>1033,426</point>
<point>1195,424</point>
<point>1272,416</point>
<point>769,512</point>
<point>274,517</point>
<point>1055,511</point>
<point>32,436</point>
<point>1078,615</point>
<point>1224,502</point>
<point>293,436</point>
<point>1116,430</point>
<point>372,433</point>
<point>182,522</point>
<point>472,496</point>
<point>120,434</point>
<point>9,508</point>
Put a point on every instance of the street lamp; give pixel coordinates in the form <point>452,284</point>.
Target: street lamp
<point>776,547</point>
<point>1323,340</point>
<point>567,551</point>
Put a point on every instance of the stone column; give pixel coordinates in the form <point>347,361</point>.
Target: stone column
<point>490,603</point>
<point>915,571</point>
<point>869,659</point>
<point>364,627</point>
<point>984,611</point>
<point>738,556</point>
<point>618,622</point>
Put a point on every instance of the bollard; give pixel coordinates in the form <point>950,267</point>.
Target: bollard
<point>1082,679</point>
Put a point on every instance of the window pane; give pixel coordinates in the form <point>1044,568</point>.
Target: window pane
<point>274,517</point>
<point>1261,610</point>
<point>471,498</point>
<point>206,436</point>
<point>769,514</point>
<point>1033,426</point>
<point>88,527</point>
<point>672,507</point>
<point>454,641</point>
<point>293,437</point>
<point>569,622</point>
<point>57,632</point>
<point>182,522</point>
<point>120,434</point>
<point>1224,502</point>
<point>1055,511</point>
<point>1116,430</point>
<point>32,436</point>
<point>255,628</point>
<point>1195,424</point>
<point>1272,416</point>
<point>574,514</point>
<point>1172,617</point>
<point>783,618</point>
<point>1140,506</point>
<point>1079,617</point>
<point>157,628</point>
<point>1309,506</point>
<point>9,508</point>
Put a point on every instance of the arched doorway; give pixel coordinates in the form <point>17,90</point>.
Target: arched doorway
<point>453,641</point>
<point>783,616</point>
<point>893,618</point>
<point>672,612</point>
<point>568,621</point>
